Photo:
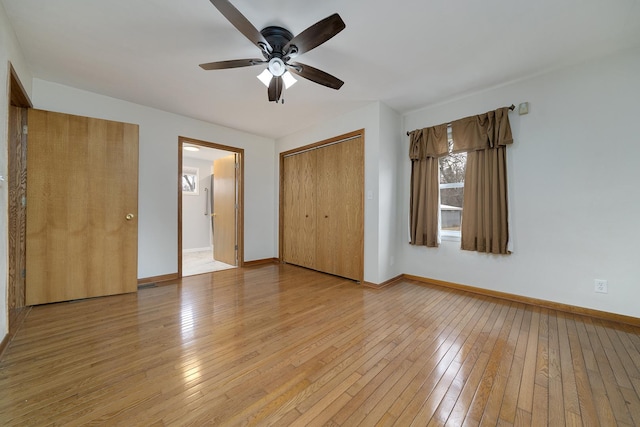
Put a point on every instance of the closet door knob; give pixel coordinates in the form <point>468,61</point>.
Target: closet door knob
<point>129,217</point>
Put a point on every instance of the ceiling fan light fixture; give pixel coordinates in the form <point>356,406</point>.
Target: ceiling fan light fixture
<point>265,77</point>
<point>288,80</point>
<point>277,67</point>
<point>278,46</point>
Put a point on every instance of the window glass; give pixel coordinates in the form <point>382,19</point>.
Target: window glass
<point>452,170</point>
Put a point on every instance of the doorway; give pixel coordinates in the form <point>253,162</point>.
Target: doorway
<point>210,207</point>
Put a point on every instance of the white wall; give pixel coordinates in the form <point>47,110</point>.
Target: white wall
<point>196,226</point>
<point>573,188</point>
<point>9,52</point>
<point>158,186</point>
<point>391,151</point>
<point>378,121</point>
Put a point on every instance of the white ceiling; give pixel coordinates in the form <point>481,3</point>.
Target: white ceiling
<point>405,53</point>
<point>205,153</point>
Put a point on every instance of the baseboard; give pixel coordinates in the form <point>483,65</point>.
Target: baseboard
<point>162,278</point>
<point>261,262</point>
<point>3,345</point>
<point>384,284</point>
<point>16,318</point>
<point>605,315</point>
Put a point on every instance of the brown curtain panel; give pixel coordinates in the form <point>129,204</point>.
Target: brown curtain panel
<point>485,213</point>
<point>484,206</point>
<point>426,145</point>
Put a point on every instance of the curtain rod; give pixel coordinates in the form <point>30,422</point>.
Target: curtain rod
<point>512,107</point>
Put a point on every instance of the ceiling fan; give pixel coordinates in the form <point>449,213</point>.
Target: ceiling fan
<point>279,47</point>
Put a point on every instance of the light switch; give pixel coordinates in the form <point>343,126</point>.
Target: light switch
<point>369,195</point>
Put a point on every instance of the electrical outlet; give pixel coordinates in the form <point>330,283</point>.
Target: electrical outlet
<point>601,286</point>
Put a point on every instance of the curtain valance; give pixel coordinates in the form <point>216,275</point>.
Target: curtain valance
<point>479,132</point>
<point>488,130</point>
<point>428,142</point>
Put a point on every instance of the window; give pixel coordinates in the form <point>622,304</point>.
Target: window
<point>452,170</point>
<point>190,181</point>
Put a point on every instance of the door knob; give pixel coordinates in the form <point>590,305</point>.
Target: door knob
<point>129,216</point>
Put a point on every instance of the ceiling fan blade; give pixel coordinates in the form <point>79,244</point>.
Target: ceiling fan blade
<point>243,25</point>
<point>234,63</point>
<point>315,75</point>
<point>275,89</point>
<point>315,35</point>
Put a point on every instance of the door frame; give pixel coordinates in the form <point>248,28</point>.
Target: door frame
<point>16,307</point>
<point>240,186</point>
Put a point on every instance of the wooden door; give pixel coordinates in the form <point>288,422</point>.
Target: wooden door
<point>225,213</point>
<point>340,209</point>
<point>299,209</point>
<point>82,200</point>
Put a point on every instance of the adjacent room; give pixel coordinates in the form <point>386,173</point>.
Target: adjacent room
<point>209,202</point>
<point>224,212</point>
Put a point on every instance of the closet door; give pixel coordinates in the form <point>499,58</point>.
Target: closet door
<point>299,210</point>
<point>340,209</point>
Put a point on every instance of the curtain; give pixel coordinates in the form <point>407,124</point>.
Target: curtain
<point>426,145</point>
<point>485,213</point>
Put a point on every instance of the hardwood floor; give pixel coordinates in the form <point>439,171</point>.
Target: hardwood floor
<point>277,344</point>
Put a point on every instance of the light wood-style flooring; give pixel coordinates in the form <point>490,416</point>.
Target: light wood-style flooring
<point>281,345</point>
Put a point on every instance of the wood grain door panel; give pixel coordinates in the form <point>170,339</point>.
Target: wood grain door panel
<point>225,214</point>
<point>82,184</point>
<point>299,239</point>
<point>340,224</point>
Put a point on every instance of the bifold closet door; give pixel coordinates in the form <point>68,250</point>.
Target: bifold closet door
<point>299,211</point>
<point>340,218</point>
